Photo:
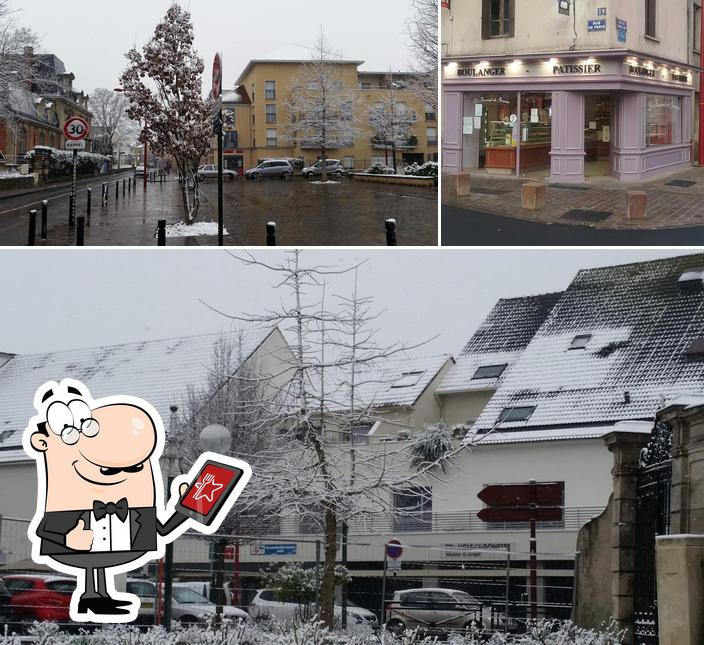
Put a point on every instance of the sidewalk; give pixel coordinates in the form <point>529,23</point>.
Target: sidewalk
<point>604,199</point>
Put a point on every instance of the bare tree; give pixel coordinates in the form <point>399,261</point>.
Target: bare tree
<point>109,110</point>
<point>320,108</point>
<point>391,120</point>
<point>312,470</point>
<point>423,32</point>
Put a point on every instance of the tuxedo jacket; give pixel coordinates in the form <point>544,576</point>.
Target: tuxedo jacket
<point>144,527</point>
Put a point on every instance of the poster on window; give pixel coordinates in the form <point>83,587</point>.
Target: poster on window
<point>606,134</point>
<point>445,4</point>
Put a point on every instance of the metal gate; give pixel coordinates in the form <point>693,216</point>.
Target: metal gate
<point>652,517</point>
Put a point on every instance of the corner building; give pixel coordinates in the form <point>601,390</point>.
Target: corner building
<point>568,89</point>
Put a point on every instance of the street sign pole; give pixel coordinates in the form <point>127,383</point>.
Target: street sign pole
<point>217,96</point>
<point>72,214</point>
<point>383,587</point>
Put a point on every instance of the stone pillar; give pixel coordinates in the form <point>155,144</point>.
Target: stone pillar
<point>626,448</point>
<point>680,567</point>
<point>567,154</point>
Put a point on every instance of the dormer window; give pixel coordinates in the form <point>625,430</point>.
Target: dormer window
<point>408,379</point>
<point>518,413</point>
<point>695,274</point>
<point>696,348</point>
<point>489,371</point>
<point>580,342</point>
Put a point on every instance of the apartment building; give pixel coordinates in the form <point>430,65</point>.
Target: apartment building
<point>262,118</point>
<point>38,109</point>
<point>569,89</point>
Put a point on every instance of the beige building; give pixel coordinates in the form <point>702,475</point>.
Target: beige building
<point>259,104</point>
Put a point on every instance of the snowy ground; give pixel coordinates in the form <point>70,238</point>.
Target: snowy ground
<point>193,230</point>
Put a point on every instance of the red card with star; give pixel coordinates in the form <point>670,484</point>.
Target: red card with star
<point>209,491</point>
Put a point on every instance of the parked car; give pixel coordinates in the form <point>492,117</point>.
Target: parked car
<point>265,603</point>
<point>203,588</point>
<point>211,172</point>
<point>271,168</point>
<point>334,167</point>
<point>435,611</point>
<point>188,606</point>
<point>39,597</point>
<point>7,615</point>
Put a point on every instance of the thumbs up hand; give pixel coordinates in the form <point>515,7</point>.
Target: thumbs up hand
<point>79,538</point>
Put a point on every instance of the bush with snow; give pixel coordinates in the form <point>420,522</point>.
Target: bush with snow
<point>10,173</point>
<point>379,168</point>
<point>542,632</point>
<point>61,162</point>
<point>428,169</point>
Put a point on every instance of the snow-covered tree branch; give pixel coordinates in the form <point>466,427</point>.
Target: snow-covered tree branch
<point>423,33</point>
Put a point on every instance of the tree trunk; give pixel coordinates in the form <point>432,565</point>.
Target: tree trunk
<point>393,152</point>
<point>327,595</point>
<point>324,168</point>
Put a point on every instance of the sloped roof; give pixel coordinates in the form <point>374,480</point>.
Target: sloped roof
<point>158,371</point>
<point>500,339</point>
<point>641,320</point>
<point>378,387</point>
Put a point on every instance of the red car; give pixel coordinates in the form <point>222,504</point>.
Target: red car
<point>39,597</point>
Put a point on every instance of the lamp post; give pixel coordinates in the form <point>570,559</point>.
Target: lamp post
<point>172,458</point>
<point>217,438</point>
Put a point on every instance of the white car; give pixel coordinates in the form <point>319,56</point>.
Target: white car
<point>266,604</point>
<point>434,611</point>
<point>188,606</point>
<point>334,167</point>
<point>211,172</point>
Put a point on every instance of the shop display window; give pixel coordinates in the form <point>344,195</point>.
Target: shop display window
<point>663,120</point>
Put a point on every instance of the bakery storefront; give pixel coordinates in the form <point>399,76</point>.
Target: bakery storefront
<point>567,118</point>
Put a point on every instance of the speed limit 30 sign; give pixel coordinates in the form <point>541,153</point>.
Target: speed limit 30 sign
<point>76,129</point>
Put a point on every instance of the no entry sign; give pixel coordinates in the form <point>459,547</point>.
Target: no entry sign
<point>394,549</point>
<point>217,76</point>
<point>76,129</point>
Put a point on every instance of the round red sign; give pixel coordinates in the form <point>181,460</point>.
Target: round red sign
<point>217,76</point>
<point>76,129</point>
<point>394,549</point>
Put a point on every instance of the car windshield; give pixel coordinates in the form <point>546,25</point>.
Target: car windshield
<point>62,586</point>
<point>462,596</point>
<point>187,596</point>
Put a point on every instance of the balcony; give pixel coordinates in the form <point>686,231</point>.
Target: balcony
<point>380,143</point>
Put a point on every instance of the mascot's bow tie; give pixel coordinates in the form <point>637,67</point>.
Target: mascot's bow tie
<point>121,509</point>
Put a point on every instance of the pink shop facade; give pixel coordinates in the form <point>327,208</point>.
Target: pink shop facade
<point>567,118</point>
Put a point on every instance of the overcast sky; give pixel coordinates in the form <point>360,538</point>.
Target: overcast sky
<point>57,299</point>
<point>92,37</point>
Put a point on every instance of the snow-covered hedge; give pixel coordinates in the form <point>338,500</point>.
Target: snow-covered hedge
<point>428,169</point>
<point>379,169</point>
<point>61,162</point>
<point>544,632</point>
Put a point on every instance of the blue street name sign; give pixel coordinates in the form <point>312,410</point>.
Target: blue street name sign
<point>596,25</point>
<point>622,30</point>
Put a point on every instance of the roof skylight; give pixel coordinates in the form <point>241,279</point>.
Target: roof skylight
<point>489,371</point>
<point>408,379</point>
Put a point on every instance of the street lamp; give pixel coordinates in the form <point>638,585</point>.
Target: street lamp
<point>217,438</point>
<point>121,89</point>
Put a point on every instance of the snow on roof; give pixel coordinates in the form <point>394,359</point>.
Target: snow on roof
<point>237,95</point>
<point>502,336</point>
<point>396,382</point>
<point>639,320</point>
<point>157,371</point>
<point>295,55</point>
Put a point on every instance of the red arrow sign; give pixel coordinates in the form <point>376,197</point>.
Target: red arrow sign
<point>520,514</point>
<point>510,495</point>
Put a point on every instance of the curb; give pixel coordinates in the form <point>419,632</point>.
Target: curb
<point>45,187</point>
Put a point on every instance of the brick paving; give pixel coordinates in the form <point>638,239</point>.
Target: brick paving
<point>668,206</point>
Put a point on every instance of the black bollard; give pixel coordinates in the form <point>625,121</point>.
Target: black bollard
<point>71,211</point>
<point>161,233</point>
<point>105,194</point>
<point>271,234</point>
<point>80,229</point>
<point>89,199</point>
<point>129,185</point>
<point>124,187</point>
<point>117,191</point>
<point>32,228</point>
<point>391,232</point>
<point>45,218</point>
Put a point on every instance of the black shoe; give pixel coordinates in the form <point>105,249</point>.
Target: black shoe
<point>102,606</point>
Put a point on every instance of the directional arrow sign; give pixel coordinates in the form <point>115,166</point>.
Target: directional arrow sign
<point>511,495</point>
<point>520,514</point>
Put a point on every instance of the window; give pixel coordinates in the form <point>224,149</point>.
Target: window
<point>61,586</point>
<point>663,120</point>
<point>432,134</point>
<point>415,510</point>
<point>695,274</point>
<point>580,342</point>
<point>650,13</point>
<point>230,140</point>
<point>697,28</point>
<point>519,413</point>
<point>6,434</point>
<point>143,589</point>
<point>408,379</point>
<point>271,139</point>
<point>366,86</point>
<point>348,162</point>
<point>400,108</point>
<point>360,433</point>
<point>14,585</point>
<point>430,113</point>
<point>696,348</point>
<point>498,18</point>
<point>270,113</point>
<point>489,371</point>
<point>270,90</point>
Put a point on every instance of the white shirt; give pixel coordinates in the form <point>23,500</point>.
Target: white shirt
<point>110,533</point>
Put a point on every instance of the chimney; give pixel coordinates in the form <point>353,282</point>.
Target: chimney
<point>29,67</point>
